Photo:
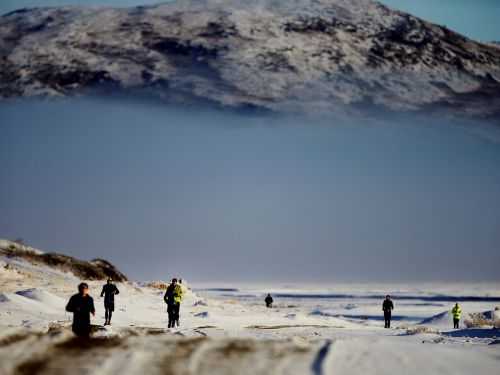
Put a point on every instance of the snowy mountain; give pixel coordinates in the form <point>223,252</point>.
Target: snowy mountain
<point>294,55</point>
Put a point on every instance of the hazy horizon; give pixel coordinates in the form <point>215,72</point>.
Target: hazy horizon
<point>221,196</point>
<point>224,196</point>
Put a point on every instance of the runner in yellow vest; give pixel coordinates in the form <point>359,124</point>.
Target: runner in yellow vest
<point>173,299</point>
<point>456,311</point>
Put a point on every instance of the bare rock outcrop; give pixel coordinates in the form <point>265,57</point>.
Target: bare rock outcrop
<point>96,269</point>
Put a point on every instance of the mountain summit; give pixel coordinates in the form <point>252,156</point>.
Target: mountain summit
<point>293,55</point>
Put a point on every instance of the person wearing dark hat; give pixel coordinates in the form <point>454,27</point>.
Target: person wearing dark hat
<point>387,308</point>
<point>81,305</point>
<point>108,291</point>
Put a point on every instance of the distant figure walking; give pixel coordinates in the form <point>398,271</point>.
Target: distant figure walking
<point>387,308</point>
<point>81,305</point>
<point>108,291</point>
<point>269,301</point>
<point>456,311</point>
<point>173,299</point>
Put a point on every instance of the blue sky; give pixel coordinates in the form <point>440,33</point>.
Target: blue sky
<point>477,19</point>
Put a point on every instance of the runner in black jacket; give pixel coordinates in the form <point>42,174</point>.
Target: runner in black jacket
<point>269,301</point>
<point>108,291</point>
<point>81,305</point>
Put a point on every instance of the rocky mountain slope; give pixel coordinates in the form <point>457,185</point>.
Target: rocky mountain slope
<point>294,55</point>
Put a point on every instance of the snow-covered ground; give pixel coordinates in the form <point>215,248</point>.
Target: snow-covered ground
<point>224,329</point>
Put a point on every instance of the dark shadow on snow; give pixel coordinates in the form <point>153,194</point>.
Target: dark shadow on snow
<point>483,333</point>
<point>435,298</point>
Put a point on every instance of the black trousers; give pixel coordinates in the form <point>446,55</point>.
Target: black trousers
<point>456,323</point>
<point>173,314</point>
<point>108,311</point>
<point>387,319</point>
<point>81,329</point>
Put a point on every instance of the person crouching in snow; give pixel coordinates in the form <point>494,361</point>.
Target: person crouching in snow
<point>456,311</point>
<point>269,301</point>
<point>108,291</point>
<point>81,305</point>
<point>173,299</point>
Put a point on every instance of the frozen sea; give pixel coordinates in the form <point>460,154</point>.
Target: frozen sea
<point>362,303</point>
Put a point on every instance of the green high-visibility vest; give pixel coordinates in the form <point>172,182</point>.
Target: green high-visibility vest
<point>457,312</point>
